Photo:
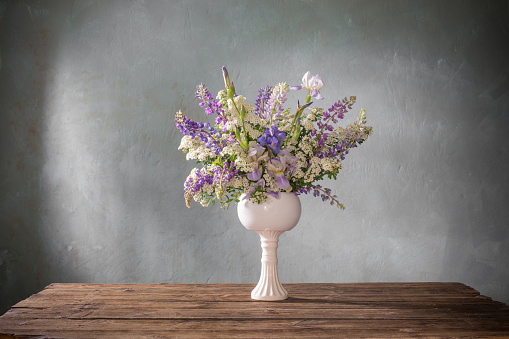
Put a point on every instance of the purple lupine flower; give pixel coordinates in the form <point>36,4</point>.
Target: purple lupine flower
<point>338,110</point>
<point>303,190</point>
<point>275,104</point>
<point>223,175</point>
<point>318,191</point>
<point>200,130</point>
<point>352,140</point>
<point>331,152</point>
<point>211,106</point>
<point>272,138</point>
<point>335,112</point>
<point>193,186</point>
<point>262,100</point>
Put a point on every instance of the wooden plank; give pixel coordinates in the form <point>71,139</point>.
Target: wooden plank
<point>309,288</point>
<point>37,301</point>
<point>296,328</point>
<point>349,334</point>
<point>120,303</point>
<point>337,302</point>
<point>318,286</point>
<point>190,324</point>
<point>292,292</point>
<point>333,292</point>
<point>103,312</point>
<point>375,310</point>
<point>296,290</point>
<point>68,304</point>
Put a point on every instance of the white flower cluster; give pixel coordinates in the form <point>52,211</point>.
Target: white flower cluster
<point>195,149</point>
<point>308,145</point>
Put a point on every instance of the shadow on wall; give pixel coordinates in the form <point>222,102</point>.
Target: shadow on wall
<point>479,232</point>
<point>59,210</point>
<point>25,51</point>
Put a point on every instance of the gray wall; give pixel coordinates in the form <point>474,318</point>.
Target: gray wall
<point>91,179</point>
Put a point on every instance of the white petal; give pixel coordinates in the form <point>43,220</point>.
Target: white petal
<point>306,79</point>
<point>316,82</point>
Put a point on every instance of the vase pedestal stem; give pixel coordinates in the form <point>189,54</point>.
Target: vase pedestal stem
<point>269,287</point>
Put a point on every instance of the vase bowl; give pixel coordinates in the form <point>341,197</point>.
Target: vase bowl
<point>275,214</point>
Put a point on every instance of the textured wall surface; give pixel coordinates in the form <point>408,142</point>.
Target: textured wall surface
<point>91,181</point>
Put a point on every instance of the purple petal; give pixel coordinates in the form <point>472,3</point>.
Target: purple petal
<point>315,94</point>
<point>295,88</point>
<point>252,151</point>
<point>274,194</point>
<point>261,183</point>
<point>282,182</point>
<point>255,175</point>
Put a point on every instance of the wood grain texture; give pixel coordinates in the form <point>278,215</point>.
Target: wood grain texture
<point>366,310</point>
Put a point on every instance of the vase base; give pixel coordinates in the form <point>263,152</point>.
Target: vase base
<point>269,297</point>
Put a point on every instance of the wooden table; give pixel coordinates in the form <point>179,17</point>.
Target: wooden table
<point>374,310</point>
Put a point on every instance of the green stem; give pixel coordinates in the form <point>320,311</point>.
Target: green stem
<point>308,98</point>
<point>273,110</point>
<point>298,115</point>
<point>243,125</point>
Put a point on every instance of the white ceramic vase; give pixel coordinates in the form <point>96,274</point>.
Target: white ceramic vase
<point>270,220</point>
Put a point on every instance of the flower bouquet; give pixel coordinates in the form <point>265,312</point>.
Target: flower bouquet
<point>255,151</point>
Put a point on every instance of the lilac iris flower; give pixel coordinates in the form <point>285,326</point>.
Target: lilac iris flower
<point>255,155</point>
<point>288,160</point>
<point>272,138</point>
<point>277,168</point>
<point>255,175</point>
<point>313,83</point>
<point>260,183</point>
